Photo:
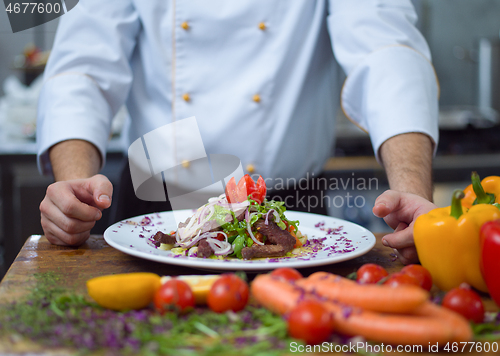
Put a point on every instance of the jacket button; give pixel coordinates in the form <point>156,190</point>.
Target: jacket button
<point>185,163</point>
<point>256,98</point>
<point>262,26</point>
<point>186,97</point>
<point>185,25</point>
<point>250,168</point>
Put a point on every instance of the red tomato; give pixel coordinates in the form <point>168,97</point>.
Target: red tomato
<point>371,273</point>
<point>310,321</point>
<point>289,274</point>
<point>466,302</point>
<point>175,295</point>
<point>243,187</point>
<point>246,186</point>
<point>229,292</point>
<point>220,237</point>
<point>259,236</point>
<point>398,279</point>
<point>421,274</point>
<point>233,193</point>
<point>259,194</point>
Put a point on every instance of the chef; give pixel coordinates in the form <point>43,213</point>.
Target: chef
<point>261,78</point>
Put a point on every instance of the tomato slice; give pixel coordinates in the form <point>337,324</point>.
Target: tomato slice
<point>249,184</point>
<point>256,191</point>
<point>260,193</point>
<point>231,190</point>
<point>235,193</point>
<point>242,187</point>
<point>246,187</point>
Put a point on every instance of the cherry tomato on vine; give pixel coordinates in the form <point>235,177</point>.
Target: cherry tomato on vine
<point>399,278</point>
<point>174,295</point>
<point>311,322</point>
<point>421,274</point>
<point>229,292</point>
<point>466,302</point>
<point>371,273</point>
<point>289,274</point>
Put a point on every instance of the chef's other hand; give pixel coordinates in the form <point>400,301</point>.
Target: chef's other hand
<point>71,208</point>
<point>400,210</point>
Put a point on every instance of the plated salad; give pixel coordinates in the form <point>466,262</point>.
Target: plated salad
<point>241,223</point>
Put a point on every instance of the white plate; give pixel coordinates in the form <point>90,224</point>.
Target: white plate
<point>342,240</point>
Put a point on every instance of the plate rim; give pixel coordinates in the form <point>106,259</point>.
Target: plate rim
<point>221,265</point>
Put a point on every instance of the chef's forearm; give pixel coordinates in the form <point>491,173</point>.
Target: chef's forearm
<point>407,160</point>
<point>74,159</point>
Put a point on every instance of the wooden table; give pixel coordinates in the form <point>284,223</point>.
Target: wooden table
<point>96,258</point>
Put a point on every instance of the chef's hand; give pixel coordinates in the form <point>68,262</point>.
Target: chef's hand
<point>71,208</point>
<point>399,211</point>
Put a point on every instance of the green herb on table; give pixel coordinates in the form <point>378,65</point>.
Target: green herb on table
<point>489,329</point>
<point>51,316</point>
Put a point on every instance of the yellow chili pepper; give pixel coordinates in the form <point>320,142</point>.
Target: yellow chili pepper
<point>486,191</point>
<point>447,242</point>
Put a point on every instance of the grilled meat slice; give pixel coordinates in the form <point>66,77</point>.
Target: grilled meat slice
<point>161,238</point>
<point>260,251</point>
<point>204,249</point>
<point>282,241</point>
<point>275,235</point>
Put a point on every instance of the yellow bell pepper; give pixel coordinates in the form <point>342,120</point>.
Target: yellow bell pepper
<point>486,191</point>
<point>447,242</point>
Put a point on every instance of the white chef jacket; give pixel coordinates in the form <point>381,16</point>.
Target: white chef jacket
<point>259,75</point>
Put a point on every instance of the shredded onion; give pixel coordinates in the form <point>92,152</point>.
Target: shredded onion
<point>196,223</point>
<point>276,217</point>
<point>187,237</point>
<point>202,213</point>
<point>223,233</point>
<point>217,199</point>
<point>234,206</point>
<point>267,217</point>
<point>201,216</point>
<point>191,242</point>
<point>219,247</point>
<point>208,216</point>
<point>249,228</point>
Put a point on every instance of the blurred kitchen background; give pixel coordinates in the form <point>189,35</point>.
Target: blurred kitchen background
<point>464,39</point>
